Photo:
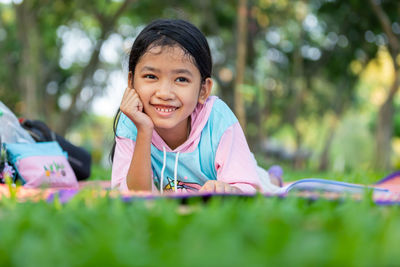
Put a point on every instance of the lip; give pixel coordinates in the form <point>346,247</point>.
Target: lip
<point>164,110</point>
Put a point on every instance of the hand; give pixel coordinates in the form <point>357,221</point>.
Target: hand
<point>213,186</point>
<point>132,106</point>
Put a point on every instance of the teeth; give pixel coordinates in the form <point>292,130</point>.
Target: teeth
<point>166,109</point>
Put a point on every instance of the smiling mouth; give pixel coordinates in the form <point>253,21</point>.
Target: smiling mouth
<point>165,109</point>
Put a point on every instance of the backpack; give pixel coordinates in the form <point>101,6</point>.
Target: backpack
<point>39,165</point>
<point>79,159</point>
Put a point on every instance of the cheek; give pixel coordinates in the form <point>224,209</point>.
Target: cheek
<point>191,96</point>
<point>141,89</point>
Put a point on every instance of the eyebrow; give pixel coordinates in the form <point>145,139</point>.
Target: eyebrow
<point>183,71</point>
<point>147,68</point>
<point>176,71</point>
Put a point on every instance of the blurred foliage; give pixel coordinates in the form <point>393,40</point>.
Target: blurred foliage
<point>310,66</point>
<point>94,134</point>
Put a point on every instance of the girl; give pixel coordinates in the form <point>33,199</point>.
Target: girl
<point>171,135</point>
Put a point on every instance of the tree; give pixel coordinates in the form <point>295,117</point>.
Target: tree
<point>385,126</point>
<point>369,29</point>
<point>33,51</point>
<point>301,73</point>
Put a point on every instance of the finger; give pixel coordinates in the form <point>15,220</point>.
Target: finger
<point>136,103</point>
<point>228,189</point>
<point>132,95</point>
<point>126,93</point>
<point>236,190</point>
<point>131,102</point>
<point>204,188</point>
<point>207,187</point>
<point>139,103</point>
<point>219,187</point>
<point>127,98</point>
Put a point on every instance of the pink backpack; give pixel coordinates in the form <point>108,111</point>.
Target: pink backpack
<point>42,164</point>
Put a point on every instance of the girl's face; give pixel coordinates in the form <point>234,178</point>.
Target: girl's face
<point>170,86</point>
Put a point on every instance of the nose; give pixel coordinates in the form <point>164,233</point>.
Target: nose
<point>165,91</point>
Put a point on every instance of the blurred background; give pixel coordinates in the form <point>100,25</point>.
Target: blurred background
<point>314,83</point>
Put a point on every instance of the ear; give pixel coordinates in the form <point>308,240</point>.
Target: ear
<point>130,79</point>
<point>205,90</point>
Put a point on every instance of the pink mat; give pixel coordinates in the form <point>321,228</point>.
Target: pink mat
<point>391,182</point>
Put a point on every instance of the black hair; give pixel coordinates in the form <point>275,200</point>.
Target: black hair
<point>170,32</point>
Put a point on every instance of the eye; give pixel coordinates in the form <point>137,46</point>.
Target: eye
<point>149,76</point>
<point>182,80</point>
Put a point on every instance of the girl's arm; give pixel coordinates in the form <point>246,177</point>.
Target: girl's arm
<point>235,163</point>
<point>131,169</point>
<point>123,155</point>
<point>139,173</point>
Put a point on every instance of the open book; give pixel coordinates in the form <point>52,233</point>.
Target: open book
<point>315,184</point>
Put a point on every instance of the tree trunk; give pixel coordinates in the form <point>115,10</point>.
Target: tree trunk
<point>384,135</point>
<point>29,65</point>
<point>261,119</point>
<point>384,130</point>
<point>300,84</point>
<point>241,62</point>
<point>324,161</point>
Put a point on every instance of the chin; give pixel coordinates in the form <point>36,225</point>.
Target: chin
<point>163,125</point>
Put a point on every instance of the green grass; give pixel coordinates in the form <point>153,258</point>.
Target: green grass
<point>91,231</point>
<point>98,172</point>
<point>230,231</point>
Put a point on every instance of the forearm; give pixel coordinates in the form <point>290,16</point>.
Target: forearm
<point>139,173</point>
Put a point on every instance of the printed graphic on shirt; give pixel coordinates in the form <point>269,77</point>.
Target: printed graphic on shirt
<point>181,186</point>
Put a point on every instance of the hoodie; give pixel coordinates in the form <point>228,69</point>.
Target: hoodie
<point>216,149</point>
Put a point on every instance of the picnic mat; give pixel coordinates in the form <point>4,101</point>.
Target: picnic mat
<point>102,189</point>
